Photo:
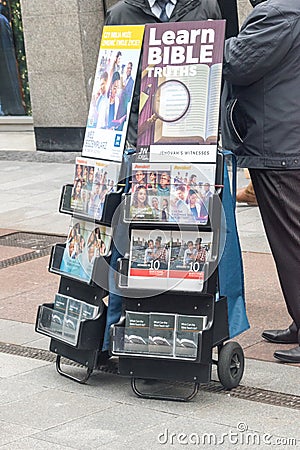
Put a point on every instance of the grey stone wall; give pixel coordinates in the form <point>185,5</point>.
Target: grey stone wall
<point>61,41</point>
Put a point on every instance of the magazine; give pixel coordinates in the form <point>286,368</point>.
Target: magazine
<point>180,91</point>
<point>176,260</point>
<point>171,192</point>
<point>93,180</point>
<point>85,242</point>
<point>112,93</point>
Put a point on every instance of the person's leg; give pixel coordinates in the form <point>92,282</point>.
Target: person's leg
<point>246,195</point>
<point>277,192</point>
<point>119,247</point>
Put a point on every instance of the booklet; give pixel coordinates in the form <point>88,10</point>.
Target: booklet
<point>112,93</point>
<point>180,91</point>
<point>85,242</point>
<point>93,180</point>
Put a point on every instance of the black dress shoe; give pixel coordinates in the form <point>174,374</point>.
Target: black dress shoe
<point>287,336</point>
<point>288,356</point>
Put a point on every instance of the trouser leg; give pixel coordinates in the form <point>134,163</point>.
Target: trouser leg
<point>277,192</point>
<point>119,248</point>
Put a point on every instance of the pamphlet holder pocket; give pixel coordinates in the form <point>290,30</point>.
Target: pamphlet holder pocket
<point>99,274</point>
<point>111,203</point>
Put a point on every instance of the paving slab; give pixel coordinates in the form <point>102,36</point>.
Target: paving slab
<point>12,252</point>
<point>12,365</point>
<point>51,408</point>
<point>9,433</point>
<point>32,443</point>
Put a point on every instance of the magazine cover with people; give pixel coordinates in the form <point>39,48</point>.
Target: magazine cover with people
<point>112,93</point>
<point>93,180</point>
<point>85,242</point>
<point>163,192</point>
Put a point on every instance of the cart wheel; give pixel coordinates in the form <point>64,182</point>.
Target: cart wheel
<point>231,365</point>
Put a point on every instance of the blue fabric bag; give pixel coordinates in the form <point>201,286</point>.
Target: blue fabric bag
<point>231,274</point>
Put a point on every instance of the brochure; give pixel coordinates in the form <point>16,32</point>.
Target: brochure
<point>187,334</point>
<point>136,332</point>
<point>176,260</point>
<point>112,93</point>
<point>180,91</point>
<point>85,242</point>
<point>161,334</point>
<point>93,180</point>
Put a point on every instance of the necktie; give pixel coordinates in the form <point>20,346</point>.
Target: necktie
<point>163,15</point>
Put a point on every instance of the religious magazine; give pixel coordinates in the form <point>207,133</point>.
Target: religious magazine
<point>93,180</point>
<point>85,242</point>
<point>170,259</point>
<point>164,192</point>
<point>180,91</point>
<point>112,93</point>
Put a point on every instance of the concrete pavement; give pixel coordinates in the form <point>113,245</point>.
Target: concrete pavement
<point>41,409</point>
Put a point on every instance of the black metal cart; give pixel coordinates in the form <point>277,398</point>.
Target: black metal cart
<point>196,369</point>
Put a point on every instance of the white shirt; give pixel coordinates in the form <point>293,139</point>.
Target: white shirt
<point>157,10</point>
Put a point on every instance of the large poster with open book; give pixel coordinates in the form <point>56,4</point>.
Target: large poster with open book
<point>180,91</point>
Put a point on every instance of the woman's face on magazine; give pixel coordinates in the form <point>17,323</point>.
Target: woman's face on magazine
<point>142,195</point>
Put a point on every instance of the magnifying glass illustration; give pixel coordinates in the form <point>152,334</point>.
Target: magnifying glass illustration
<point>171,101</point>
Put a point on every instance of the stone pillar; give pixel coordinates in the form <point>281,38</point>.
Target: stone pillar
<point>62,42</point>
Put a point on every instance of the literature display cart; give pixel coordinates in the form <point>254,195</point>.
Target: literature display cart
<point>173,314</point>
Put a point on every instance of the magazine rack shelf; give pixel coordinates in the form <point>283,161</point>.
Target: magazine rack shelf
<point>74,336</point>
<point>111,203</point>
<point>99,271</point>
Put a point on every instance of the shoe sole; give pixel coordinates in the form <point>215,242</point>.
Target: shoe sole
<point>286,360</point>
<point>274,341</point>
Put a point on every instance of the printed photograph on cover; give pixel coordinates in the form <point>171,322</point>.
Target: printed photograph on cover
<point>190,251</point>
<point>191,188</point>
<point>136,332</point>
<point>187,335</point>
<point>161,334</point>
<point>85,242</point>
<point>149,258</point>
<point>93,180</point>
<point>181,85</point>
<point>150,192</point>
<point>112,93</point>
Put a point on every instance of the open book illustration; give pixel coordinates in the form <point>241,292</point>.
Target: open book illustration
<point>197,100</point>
